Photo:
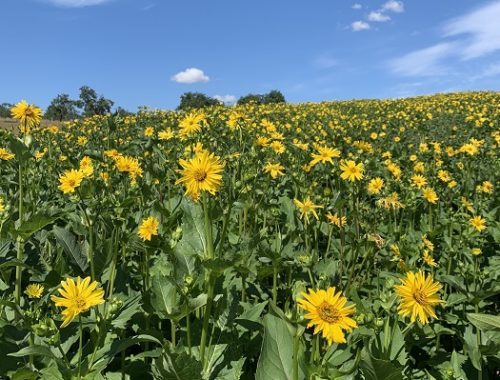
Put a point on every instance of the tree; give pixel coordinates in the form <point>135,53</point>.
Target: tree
<point>195,100</point>
<point>62,108</point>
<point>273,96</point>
<point>5,109</point>
<point>250,99</point>
<point>93,104</point>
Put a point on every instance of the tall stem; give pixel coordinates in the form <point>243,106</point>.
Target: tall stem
<point>295,365</point>
<point>80,348</point>
<point>20,242</point>
<point>211,279</point>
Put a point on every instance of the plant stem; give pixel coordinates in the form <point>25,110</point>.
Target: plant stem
<point>20,243</point>
<point>211,279</point>
<point>295,365</point>
<point>206,318</point>
<point>188,332</point>
<point>80,347</point>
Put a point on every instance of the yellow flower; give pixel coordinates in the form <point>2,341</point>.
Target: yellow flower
<point>328,313</point>
<point>351,171</point>
<point>430,195</point>
<point>274,169</point>
<point>34,290</point>
<point>418,296</point>
<point>324,155</point>
<point>5,155</point>
<point>70,180</point>
<point>201,173</point>
<point>29,115</point>
<point>486,187</point>
<point>375,185</point>
<point>86,166</point>
<point>478,223</point>
<point>392,201</point>
<point>418,181</point>
<point>149,131</point>
<point>191,124</point>
<point>307,207</point>
<point>278,147</point>
<point>428,259</point>
<point>131,165</point>
<point>77,297</point>
<point>148,228</point>
<point>339,221</point>
<point>166,134</point>
<point>82,140</point>
<point>2,206</point>
<point>476,251</point>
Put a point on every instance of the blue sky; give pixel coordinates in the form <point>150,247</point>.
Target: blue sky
<point>149,52</point>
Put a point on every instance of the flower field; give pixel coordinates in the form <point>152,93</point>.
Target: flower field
<point>343,240</point>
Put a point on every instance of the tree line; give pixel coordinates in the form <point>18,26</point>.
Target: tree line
<point>89,103</point>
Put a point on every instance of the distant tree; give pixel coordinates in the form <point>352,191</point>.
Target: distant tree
<point>5,109</point>
<point>122,112</point>
<point>273,96</point>
<point>62,108</point>
<point>195,100</point>
<point>250,98</point>
<point>93,104</point>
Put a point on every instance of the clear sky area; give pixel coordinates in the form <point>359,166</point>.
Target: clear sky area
<point>149,52</point>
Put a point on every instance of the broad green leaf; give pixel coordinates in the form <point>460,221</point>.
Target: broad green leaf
<point>174,366</point>
<point>35,224</point>
<point>377,369</point>
<point>73,249</point>
<point>485,322</point>
<point>34,350</point>
<point>275,361</point>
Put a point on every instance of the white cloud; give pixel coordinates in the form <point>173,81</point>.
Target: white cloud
<point>492,70</point>
<point>226,99</point>
<point>77,3</point>
<point>357,6</point>
<point>378,17</point>
<point>424,62</point>
<point>190,75</point>
<point>358,26</point>
<point>482,26</point>
<point>394,6</point>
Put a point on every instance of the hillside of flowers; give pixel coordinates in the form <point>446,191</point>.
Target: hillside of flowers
<point>336,240</point>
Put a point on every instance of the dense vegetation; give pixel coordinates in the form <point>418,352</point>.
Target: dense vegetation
<point>206,239</point>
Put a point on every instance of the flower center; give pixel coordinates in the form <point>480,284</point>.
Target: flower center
<point>419,297</point>
<point>28,112</point>
<point>200,175</point>
<point>328,313</point>
<point>80,303</point>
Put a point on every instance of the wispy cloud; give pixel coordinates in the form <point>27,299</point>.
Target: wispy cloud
<point>470,36</point>
<point>357,6</point>
<point>378,17</point>
<point>77,3</point>
<point>358,26</point>
<point>481,29</point>
<point>190,75</point>
<point>394,6</point>
<point>489,71</point>
<point>423,62</point>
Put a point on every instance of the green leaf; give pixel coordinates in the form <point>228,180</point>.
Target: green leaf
<point>35,224</point>
<point>164,297</point>
<point>34,350</point>
<point>126,312</point>
<point>485,322</point>
<point>471,348</point>
<point>174,366</point>
<point>378,369</point>
<point>68,241</point>
<point>233,372</point>
<point>275,361</point>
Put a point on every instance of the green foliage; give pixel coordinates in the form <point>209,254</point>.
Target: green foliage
<point>195,100</point>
